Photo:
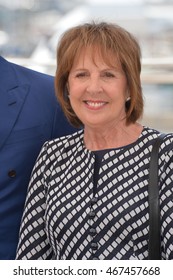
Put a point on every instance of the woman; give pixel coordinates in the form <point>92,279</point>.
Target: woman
<point>88,195</point>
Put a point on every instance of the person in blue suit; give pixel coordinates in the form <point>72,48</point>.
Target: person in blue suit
<point>29,116</point>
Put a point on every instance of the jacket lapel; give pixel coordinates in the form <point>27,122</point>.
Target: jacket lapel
<point>11,102</point>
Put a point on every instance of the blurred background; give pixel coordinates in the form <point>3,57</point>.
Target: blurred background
<point>30,30</point>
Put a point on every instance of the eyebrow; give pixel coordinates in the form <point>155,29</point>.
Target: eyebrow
<point>104,69</point>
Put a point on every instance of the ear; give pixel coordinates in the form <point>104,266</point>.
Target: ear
<point>67,86</point>
<point>66,93</point>
<point>127,95</point>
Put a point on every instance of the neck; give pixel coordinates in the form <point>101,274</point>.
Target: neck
<point>101,139</point>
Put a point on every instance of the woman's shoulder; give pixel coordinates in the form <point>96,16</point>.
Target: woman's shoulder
<point>152,134</point>
<point>59,148</point>
<point>65,141</point>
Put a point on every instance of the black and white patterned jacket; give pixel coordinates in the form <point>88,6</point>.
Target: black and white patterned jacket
<point>65,219</point>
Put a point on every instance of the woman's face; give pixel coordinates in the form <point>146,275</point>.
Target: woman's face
<point>97,91</point>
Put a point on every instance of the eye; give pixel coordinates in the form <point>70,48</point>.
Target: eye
<point>81,75</point>
<point>108,74</point>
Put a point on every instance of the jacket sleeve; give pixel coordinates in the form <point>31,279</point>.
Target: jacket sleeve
<point>33,240</point>
<point>166,201</point>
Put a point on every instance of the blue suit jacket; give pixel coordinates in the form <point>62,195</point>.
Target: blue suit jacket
<point>29,115</point>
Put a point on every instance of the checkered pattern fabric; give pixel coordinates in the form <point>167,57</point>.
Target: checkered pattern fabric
<point>64,219</point>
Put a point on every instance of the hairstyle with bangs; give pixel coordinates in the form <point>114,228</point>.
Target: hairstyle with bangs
<point>101,37</point>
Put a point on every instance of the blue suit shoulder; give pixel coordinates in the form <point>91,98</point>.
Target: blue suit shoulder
<point>42,86</point>
<point>42,80</point>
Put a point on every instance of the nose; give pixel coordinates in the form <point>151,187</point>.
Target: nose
<point>94,85</point>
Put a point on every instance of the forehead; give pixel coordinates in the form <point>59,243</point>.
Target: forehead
<point>97,55</point>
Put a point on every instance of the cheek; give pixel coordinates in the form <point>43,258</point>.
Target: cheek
<point>121,92</point>
<point>74,101</point>
<point>72,86</point>
<point>76,91</point>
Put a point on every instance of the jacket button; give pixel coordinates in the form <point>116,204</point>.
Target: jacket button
<point>94,246</point>
<point>94,200</point>
<point>92,231</point>
<point>12,173</point>
<point>92,214</point>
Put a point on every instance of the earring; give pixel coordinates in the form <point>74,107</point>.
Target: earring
<point>128,98</point>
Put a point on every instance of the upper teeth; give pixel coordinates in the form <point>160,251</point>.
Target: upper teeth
<point>95,104</point>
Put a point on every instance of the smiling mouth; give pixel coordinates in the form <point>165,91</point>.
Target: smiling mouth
<point>95,104</point>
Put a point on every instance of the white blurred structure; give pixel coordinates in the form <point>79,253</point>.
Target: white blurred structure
<point>129,14</point>
<point>47,49</point>
<point>138,16</point>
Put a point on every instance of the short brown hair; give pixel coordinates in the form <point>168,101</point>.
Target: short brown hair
<point>103,36</point>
